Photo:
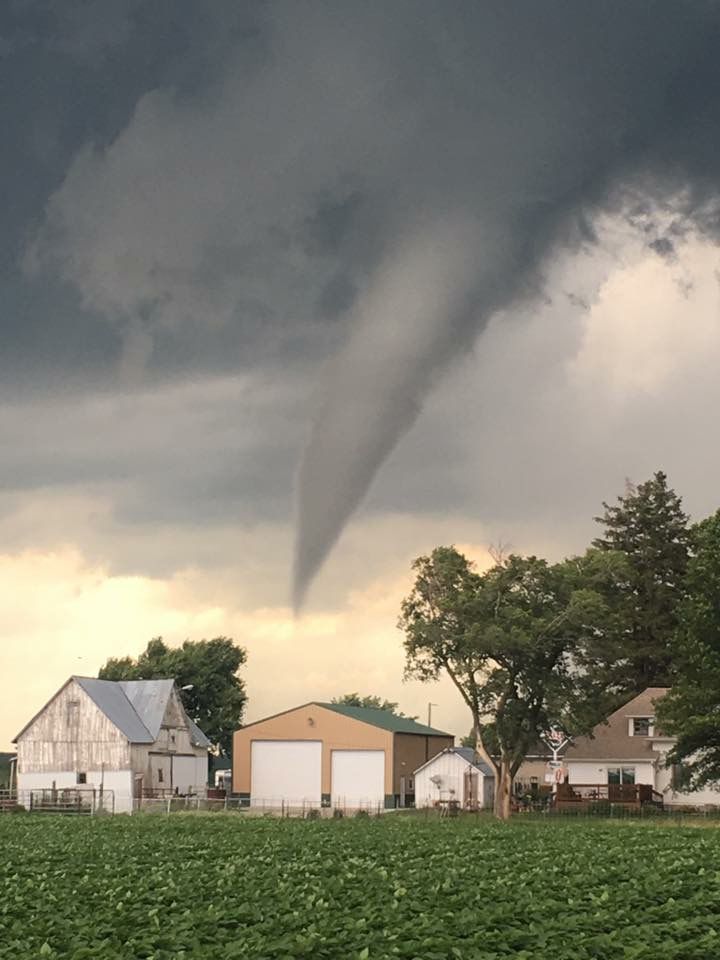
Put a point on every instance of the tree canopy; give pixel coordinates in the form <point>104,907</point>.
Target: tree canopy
<point>649,529</point>
<point>508,639</point>
<point>206,673</point>
<point>691,710</point>
<point>531,645</point>
<point>371,701</point>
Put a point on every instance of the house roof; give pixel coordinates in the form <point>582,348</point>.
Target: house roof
<point>465,753</point>
<point>610,741</point>
<point>135,707</point>
<point>384,719</point>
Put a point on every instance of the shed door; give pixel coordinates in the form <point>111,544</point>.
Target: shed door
<point>288,771</point>
<point>358,778</point>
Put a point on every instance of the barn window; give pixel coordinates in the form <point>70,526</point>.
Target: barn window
<point>73,713</point>
<point>81,778</point>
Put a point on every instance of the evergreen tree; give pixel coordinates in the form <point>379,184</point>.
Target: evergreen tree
<point>649,528</point>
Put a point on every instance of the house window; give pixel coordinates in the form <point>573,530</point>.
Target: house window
<point>81,778</point>
<point>621,775</point>
<point>680,776</point>
<point>160,775</point>
<point>640,727</point>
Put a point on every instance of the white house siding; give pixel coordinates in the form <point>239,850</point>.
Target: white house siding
<point>595,771</point>
<point>451,769</point>
<point>52,744</point>
<point>698,798</point>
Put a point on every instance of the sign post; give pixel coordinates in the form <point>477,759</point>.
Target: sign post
<point>555,740</point>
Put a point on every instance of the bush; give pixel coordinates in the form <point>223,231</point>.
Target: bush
<point>338,814</point>
<point>312,814</point>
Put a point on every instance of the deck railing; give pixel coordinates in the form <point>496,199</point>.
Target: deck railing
<point>633,794</point>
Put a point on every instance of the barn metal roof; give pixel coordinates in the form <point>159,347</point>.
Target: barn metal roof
<point>149,699</point>
<point>135,707</point>
<point>110,697</point>
<point>384,719</point>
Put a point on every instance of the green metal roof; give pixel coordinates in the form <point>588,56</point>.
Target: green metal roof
<point>384,719</point>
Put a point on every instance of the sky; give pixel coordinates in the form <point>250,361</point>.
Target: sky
<point>294,292</point>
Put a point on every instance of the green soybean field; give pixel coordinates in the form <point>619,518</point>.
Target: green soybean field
<point>227,886</point>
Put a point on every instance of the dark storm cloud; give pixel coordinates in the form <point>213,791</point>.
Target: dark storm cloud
<point>378,180</point>
<point>72,73</point>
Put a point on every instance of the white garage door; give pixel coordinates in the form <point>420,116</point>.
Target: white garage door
<point>358,778</point>
<point>285,770</point>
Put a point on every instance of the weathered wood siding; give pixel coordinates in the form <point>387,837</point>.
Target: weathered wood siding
<point>158,764</point>
<point>72,733</point>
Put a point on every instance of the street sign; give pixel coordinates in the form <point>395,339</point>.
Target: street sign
<point>554,764</point>
<point>554,737</point>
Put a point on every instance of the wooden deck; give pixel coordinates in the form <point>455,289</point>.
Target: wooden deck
<point>630,795</point>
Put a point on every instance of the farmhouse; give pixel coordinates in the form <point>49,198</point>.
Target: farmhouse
<point>327,753</point>
<point>131,737</point>
<point>455,775</point>
<point>624,761</point>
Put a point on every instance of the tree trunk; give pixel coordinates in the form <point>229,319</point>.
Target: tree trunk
<point>480,747</point>
<point>503,790</point>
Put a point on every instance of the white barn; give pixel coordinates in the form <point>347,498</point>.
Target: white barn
<point>455,774</point>
<point>132,737</point>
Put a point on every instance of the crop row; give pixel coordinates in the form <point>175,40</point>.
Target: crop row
<point>195,887</point>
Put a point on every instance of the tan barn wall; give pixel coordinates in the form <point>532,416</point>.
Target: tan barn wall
<point>412,750</point>
<point>51,743</point>
<point>311,722</point>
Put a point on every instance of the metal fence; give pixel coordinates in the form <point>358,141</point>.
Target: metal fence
<point>74,801</point>
<point>258,807</point>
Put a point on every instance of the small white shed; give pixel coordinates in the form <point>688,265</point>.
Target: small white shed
<point>455,774</point>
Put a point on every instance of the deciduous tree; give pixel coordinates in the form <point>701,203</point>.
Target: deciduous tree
<point>214,695</point>
<point>508,640</point>
<point>371,701</point>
